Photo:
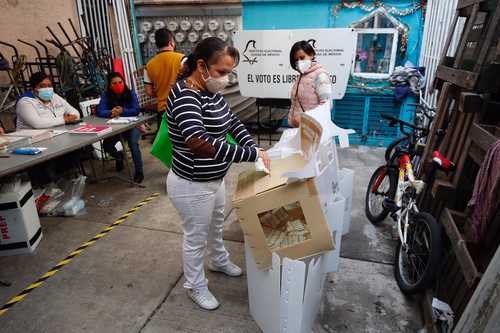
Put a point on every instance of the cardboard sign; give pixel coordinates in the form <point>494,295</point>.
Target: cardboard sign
<point>264,70</point>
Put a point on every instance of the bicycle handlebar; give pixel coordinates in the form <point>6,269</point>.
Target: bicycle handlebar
<point>393,121</point>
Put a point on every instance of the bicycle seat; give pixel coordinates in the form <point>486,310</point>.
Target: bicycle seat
<point>442,162</point>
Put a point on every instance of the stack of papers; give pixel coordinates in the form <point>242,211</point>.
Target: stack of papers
<point>122,120</point>
<point>15,141</point>
<point>33,135</point>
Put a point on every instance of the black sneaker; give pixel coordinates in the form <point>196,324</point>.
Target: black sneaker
<point>119,165</point>
<point>139,177</point>
<point>119,161</point>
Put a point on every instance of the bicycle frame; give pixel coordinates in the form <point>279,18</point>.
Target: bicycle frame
<point>406,180</point>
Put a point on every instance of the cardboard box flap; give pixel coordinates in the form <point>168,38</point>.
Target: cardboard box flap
<point>251,182</point>
<point>310,135</point>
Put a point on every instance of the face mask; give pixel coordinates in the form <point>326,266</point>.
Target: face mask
<point>303,65</point>
<point>215,85</point>
<point>118,88</point>
<point>46,93</point>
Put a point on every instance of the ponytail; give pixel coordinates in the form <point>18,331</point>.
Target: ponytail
<point>188,66</point>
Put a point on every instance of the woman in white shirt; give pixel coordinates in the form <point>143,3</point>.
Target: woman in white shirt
<point>41,107</point>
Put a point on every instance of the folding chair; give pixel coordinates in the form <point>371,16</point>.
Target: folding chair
<point>87,109</point>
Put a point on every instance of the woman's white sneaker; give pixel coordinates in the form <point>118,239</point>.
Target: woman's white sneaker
<point>228,269</point>
<point>204,298</point>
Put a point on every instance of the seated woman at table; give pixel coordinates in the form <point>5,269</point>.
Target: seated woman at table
<point>120,101</point>
<point>41,107</point>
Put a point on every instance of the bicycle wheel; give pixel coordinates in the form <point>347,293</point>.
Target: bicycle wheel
<point>382,185</point>
<point>416,267</point>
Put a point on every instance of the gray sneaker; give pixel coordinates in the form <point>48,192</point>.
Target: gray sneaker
<point>204,298</point>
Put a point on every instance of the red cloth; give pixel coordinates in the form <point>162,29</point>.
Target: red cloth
<point>118,66</point>
<point>486,197</point>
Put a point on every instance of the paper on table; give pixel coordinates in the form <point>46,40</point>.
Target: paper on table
<point>122,120</point>
<point>56,132</point>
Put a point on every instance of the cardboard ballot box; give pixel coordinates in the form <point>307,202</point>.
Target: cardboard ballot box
<point>281,217</point>
<point>20,230</point>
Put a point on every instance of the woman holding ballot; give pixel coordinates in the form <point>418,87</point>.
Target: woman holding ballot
<point>313,86</point>
<point>198,120</point>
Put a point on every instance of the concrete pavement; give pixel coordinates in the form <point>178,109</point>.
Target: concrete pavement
<point>131,280</point>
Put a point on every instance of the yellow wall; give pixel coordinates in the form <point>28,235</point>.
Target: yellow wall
<point>27,19</point>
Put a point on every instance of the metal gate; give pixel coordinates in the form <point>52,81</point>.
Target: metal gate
<point>438,20</point>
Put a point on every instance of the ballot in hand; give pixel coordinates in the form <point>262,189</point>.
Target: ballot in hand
<point>265,158</point>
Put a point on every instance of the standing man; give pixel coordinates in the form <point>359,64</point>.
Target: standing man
<point>161,71</point>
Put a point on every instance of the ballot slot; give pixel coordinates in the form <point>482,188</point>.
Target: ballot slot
<point>284,226</point>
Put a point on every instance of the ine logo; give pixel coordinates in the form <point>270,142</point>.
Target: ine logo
<point>248,58</point>
<point>312,42</point>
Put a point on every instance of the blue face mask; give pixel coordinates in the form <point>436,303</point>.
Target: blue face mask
<point>46,94</point>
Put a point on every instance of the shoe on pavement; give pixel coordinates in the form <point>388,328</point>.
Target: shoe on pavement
<point>204,298</point>
<point>138,177</point>
<point>119,161</point>
<point>228,269</point>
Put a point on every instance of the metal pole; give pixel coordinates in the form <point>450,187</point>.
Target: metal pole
<point>137,47</point>
<point>39,55</point>
<point>117,22</point>
<point>88,25</point>
<point>100,24</point>
<point>108,24</point>
<point>80,18</point>
<point>69,40</point>
<point>55,37</point>
<point>130,50</point>
<point>95,26</point>
<point>123,27</point>
<point>47,58</point>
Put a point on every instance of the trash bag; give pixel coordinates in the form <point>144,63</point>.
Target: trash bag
<point>162,146</point>
<point>62,199</point>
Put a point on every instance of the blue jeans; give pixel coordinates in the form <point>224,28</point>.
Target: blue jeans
<point>133,136</point>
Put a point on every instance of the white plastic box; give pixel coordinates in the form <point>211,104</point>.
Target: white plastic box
<point>286,297</point>
<point>346,178</point>
<point>335,216</point>
<point>20,230</point>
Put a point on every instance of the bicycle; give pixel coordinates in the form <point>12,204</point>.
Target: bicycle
<point>393,189</point>
<point>424,115</point>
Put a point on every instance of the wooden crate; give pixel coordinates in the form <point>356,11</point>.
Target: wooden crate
<point>478,48</point>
